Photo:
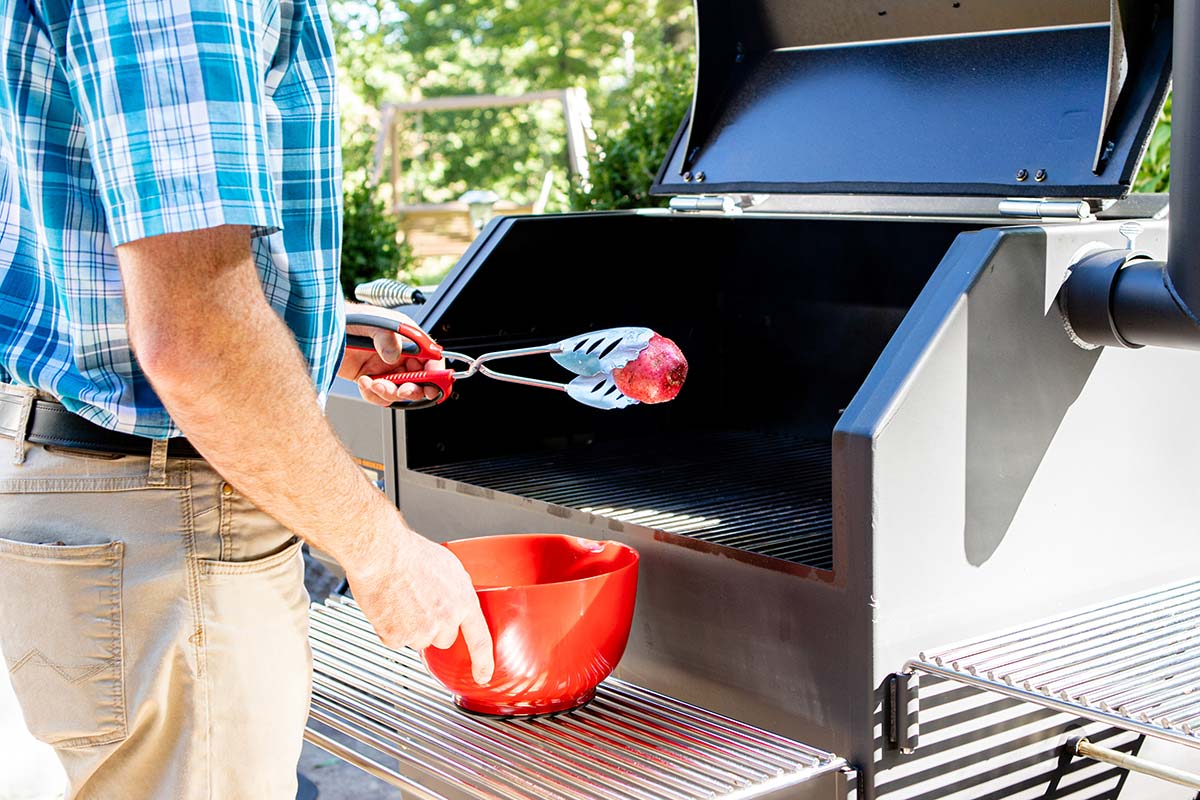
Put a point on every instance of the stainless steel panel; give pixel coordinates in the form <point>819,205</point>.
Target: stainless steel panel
<point>1012,476</point>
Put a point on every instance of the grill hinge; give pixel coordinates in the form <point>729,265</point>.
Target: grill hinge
<point>1042,209</point>
<point>715,204</point>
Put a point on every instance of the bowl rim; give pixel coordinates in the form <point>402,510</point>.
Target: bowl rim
<point>633,563</point>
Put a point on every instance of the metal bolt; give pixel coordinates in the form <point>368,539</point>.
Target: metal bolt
<point>1130,230</point>
<point>1040,175</point>
<point>1022,174</point>
<point>699,177</point>
<point>687,177</point>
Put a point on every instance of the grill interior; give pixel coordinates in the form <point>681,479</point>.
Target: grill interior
<point>767,493</point>
<point>781,321</point>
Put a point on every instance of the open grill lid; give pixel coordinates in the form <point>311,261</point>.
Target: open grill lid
<point>1007,98</point>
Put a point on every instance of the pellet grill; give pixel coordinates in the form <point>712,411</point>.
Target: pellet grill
<point>899,430</point>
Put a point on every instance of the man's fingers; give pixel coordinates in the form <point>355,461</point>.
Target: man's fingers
<point>381,391</point>
<point>387,345</point>
<point>366,389</point>
<point>479,644</point>
<point>446,639</point>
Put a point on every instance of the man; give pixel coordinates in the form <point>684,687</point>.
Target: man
<point>170,193</point>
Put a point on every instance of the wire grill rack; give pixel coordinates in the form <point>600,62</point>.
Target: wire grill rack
<point>627,744</point>
<point>1134,663</point>
<point>765,493</point>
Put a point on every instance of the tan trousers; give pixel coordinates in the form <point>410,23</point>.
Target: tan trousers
<point>154,625</point>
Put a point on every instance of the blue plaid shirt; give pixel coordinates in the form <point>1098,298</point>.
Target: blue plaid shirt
<point>122,119</point>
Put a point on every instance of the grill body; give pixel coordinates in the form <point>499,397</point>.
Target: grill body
<point>887,440</point>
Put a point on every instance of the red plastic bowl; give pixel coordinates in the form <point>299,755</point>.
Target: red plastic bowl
<point>559,608</point>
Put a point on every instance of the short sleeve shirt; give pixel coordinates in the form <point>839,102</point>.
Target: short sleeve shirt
<point>123,119</point>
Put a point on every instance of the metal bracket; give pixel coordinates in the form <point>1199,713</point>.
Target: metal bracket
<point>901,712</point>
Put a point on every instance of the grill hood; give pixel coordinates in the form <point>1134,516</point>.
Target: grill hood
<point>1007,98</point>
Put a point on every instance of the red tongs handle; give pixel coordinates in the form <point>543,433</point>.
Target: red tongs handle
<point>442,379</point>
<point>418,345</point>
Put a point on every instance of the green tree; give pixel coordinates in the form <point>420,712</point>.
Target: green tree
<point>409,49</point>
<point>629,156</point>
<point>369,246</point>
<point>1155,172</point>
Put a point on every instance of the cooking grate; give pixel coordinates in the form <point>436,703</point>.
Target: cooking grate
<point>1133,663</point>
<point>627,744</point>
<point>766,493</point>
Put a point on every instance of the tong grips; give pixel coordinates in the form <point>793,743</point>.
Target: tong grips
<point>441,379</point>
<point>418,345</point>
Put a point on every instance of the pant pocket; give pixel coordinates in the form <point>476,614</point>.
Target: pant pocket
<point>60,632</point>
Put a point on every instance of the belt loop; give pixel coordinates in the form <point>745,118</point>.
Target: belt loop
<point>20,446</point>
<point>158,463</point>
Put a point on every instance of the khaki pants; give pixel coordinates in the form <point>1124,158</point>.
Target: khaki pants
<point>154,625</point>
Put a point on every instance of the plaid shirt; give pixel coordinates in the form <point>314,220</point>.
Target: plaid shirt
<point>122,119</point>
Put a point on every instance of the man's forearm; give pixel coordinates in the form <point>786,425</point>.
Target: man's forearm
<point>230,374</point>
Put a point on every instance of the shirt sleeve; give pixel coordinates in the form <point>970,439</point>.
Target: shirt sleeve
<point>171,98</point>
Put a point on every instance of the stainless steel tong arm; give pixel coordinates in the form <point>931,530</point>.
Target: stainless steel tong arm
<point>479,365</point>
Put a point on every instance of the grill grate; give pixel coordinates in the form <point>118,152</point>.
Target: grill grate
<point>765,493</point>
<point>1132,663</point>
<point>627,744</point>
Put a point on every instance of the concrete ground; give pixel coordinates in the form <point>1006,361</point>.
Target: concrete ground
<point>337,780</point>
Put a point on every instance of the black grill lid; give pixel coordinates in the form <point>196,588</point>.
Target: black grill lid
<point>1011,98</point>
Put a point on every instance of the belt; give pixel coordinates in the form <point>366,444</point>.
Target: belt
<point>50,423</point>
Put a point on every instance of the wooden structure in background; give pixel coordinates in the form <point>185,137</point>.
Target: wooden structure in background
<point>439,230</point>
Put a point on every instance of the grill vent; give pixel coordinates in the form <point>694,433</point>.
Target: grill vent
<point>765,493</point>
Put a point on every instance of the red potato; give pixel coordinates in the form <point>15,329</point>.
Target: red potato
<point>656,375</point>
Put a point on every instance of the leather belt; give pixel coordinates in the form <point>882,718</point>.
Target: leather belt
<point>50,423</point>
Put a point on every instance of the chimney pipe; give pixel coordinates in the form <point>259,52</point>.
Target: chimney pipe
<point>1183,255</point>
<point>1119,298</point>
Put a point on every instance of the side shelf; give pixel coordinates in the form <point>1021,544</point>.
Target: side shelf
<point>1133,663</point>
<point>627,743</point>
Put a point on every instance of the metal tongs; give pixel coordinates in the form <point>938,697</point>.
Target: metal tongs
<point>591,356</point>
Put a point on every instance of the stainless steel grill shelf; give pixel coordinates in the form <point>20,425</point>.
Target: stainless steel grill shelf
<point>627,744</point>
<point>764,493</point>
<point>1133,663</point>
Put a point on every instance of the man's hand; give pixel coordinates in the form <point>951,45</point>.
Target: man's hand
<point>417,594</point>
<point>360,365</point>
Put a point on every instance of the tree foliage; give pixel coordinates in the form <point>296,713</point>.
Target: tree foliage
<point>369,246</point>
<point>629,156</point>
<point>1155,172</point>
<point>400,50</point>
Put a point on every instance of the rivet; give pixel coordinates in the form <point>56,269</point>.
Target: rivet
<point>1022,174</point>
<point>687,177</point>
<point>699,177</point>
<point>226,489</point>
<point>1040,175</point>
